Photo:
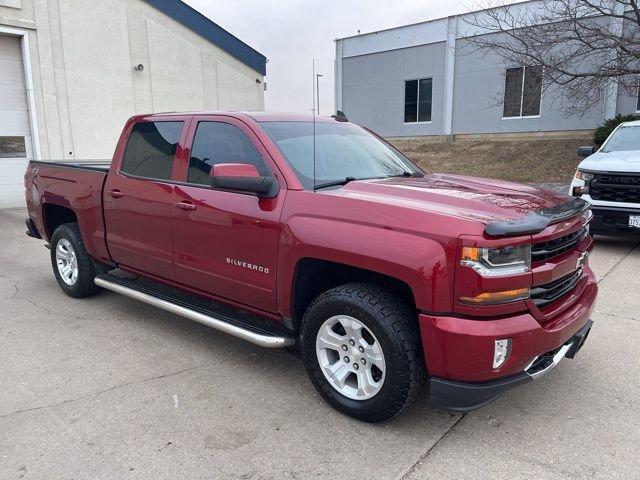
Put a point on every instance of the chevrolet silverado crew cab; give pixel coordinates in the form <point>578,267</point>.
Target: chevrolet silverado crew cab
<point>609,178</point>
<point>286,230</point>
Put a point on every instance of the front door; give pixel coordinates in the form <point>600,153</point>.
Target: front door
<point>140,197</point>
<point>227,244</point>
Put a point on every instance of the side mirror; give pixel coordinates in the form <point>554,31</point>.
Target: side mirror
<point>240,177</point>
<point>586,151</point>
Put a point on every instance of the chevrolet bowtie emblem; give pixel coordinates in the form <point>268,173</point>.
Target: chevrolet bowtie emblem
<point>582,260</point>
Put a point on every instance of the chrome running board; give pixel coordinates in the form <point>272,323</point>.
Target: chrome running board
<point>240,328</point>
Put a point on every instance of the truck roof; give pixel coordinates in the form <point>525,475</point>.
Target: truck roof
<point>634,123</point>
<point>256,116</point>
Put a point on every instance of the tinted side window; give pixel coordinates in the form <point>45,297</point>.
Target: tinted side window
<point>217,142</point>
<point>151,149</point>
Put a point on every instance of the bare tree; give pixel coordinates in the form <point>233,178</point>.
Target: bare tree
<point>584,46</point>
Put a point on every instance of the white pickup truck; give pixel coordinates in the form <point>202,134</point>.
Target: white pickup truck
<point>609,178</point>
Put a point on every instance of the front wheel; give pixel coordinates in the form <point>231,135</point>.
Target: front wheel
<point>361,348</point>
<point>72,266</point>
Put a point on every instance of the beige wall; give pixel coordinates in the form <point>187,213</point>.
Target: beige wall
<point>85,87</point>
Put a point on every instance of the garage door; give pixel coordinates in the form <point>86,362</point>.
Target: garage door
<point>15,133</point>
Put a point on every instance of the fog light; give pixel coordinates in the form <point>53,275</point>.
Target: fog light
<point>501,352</point>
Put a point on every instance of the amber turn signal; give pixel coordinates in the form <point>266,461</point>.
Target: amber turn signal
<point>494,298</point>
<point>471,254</point>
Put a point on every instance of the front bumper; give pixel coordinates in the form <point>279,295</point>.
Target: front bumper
<point>459,351</point>
<point>466,396</point>
<point>612,219</point>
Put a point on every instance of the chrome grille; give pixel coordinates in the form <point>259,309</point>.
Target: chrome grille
<point>544,295</point>
<point>552,248</point>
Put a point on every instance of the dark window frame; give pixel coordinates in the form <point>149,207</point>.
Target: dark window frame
<point>176,156</point>
<point>638,96</point>
<point>404,111</point>
<point>523,85</point>
<point>192,140</point>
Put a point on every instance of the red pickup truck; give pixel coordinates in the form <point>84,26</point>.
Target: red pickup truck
<point>286,230</point>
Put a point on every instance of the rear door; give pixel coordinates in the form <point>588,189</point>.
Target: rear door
<point>227,243</point>
<point>139,197</point>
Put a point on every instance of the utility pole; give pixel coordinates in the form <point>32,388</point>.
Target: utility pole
<point>318,91</point>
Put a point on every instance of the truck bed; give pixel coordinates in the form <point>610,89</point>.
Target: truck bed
<point>76,187</point>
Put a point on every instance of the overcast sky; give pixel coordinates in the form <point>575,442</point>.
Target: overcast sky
<point>290,33</point>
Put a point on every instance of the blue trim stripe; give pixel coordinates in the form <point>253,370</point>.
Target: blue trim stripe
<point>194,20</point>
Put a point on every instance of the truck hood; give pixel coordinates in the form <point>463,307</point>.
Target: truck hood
<point>474,198</point>
<point>612,162</point>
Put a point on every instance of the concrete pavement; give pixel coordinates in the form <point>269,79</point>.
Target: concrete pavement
<point>108,387</point>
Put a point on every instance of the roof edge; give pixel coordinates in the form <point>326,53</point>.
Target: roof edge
<point>211,31</point>
<point>432,20</point>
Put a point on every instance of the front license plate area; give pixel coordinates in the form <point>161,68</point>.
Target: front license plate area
<point>634,221</point>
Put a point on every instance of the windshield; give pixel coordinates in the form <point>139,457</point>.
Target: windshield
<point>342,150</point>
<point>623,139</point>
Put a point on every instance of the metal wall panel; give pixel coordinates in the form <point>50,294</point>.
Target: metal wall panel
<point>373,88</point>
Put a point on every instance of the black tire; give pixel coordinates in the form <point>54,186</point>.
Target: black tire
<point>83,285</point>
<point>393,323</point>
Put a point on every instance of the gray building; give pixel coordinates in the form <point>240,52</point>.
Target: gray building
<point>424,79</point>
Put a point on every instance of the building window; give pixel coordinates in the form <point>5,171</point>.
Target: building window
<point>417,100</point>
<point>522,92</point>
<point>13,147</point>
<point>151,149</point>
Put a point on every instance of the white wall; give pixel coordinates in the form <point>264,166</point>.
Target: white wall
<point>83,53</point>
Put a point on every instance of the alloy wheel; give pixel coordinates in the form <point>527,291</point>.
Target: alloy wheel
<point>67,262</point>
<point>351,357</point>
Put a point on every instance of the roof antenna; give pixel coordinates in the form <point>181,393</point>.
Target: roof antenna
<point>313,109</point>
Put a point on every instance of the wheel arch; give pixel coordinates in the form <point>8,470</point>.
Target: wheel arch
<point>313,276</point>
<point>54,215</point>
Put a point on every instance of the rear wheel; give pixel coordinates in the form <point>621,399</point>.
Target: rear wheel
<point>72,266</point>
<point>361,348</point>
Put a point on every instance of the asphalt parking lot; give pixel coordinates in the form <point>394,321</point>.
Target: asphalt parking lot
<point>111,388</point>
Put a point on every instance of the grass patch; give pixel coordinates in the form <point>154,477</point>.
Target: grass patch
<point>526,161</point>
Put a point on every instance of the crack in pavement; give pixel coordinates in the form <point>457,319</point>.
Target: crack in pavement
<point>14,285</point>
<point>33,303</point>
<point>94,394</point>
<point>426,454</point>
<point>620,260</point>
<point>600,312</point>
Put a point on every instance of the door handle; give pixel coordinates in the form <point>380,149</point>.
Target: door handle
<point>116,194</point>
<point>187,206</point>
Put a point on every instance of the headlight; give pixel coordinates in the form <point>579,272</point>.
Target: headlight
<point>586,176</point>
<point>491,262</point>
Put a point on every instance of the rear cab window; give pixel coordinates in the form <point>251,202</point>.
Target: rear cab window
<point>151,149</point>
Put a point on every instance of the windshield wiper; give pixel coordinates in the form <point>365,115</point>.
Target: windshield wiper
<point>335,183</point>
<point>408,175</point>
